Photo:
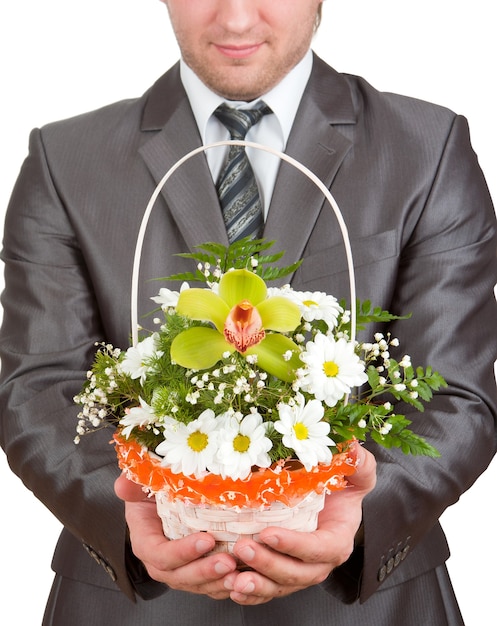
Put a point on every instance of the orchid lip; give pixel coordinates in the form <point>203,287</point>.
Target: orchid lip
<point>243,326</point>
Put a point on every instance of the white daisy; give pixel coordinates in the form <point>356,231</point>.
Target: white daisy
<point>168,298</point>
<point>140,416</point>
<point>317,305</point>
<point>303,431</point>
<point>136,359</point>
<point>332,369</point>
<point>189,448</point>
<point>242,444</point>
<point>285,292</point>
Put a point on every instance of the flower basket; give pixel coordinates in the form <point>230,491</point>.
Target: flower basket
<point>235,415</point>
<point>286,495</point>
<point>289,497</point>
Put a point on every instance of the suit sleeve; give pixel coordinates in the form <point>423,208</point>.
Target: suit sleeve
<point>446,275</point>
<point>51,323</point>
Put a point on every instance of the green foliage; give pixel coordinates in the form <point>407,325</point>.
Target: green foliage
<point>246,253</point>
<point>236,385</point>
<point>367,314</point>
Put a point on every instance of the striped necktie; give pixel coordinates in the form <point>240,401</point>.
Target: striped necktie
<point>237,188</point>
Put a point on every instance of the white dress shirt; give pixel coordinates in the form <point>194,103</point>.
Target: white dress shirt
<point>272,130</point>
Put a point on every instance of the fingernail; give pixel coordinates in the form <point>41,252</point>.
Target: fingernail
<point>271,540</point>
<point>228,583</point>
<point>249,588</point>
<point>221,568</point>
<point>246,554</point>
<point>201,545</point>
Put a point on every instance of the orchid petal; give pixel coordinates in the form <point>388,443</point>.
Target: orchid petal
<point>199,348</point>
<point>270,358</point>
<point>239,285</point>
<point>204,305</point>
<point>279,313</point>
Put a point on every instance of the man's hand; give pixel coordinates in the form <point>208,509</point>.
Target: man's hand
<point>286,561</point>
<point>180,564</point>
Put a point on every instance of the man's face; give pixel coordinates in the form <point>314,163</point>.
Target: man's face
<point>242,48</point>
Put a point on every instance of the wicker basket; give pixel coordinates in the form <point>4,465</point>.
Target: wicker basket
<point>230,509</point>
<point>286,495</point>
<point>229,524</point>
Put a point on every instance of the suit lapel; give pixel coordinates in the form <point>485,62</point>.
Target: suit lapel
<point>189,193</point>
<point>296,203</point>
<point>317,144</point>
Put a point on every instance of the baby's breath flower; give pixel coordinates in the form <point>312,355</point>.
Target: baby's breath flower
<point>192,398</point>
<point>386,428</point>
<point>231,416</point>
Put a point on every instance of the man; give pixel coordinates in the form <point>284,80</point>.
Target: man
<point>423,233</point>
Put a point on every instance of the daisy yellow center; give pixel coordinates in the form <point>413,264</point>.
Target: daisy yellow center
<point>197,441</point>
<point>301,431</point>
<point>241,443</point>
<point>330,368</point>
<point>310,303</point>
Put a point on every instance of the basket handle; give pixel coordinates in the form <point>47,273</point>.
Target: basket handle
<point>283,157</point>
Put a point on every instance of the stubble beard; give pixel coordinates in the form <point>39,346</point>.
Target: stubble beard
<point>238,80</point>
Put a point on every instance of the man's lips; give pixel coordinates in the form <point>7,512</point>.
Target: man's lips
<point>238,51</point>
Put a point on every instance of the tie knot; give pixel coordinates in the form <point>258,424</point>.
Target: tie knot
<point>239,121</point>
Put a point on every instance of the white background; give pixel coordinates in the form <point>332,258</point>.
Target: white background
<point>60,58</point>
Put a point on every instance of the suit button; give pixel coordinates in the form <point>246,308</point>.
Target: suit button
<point>404,552</point>
<point>390,563</point>
<point>382,573</point>
<point>94,555</point>
<point>100,561</point>
<point>397,559</point>
<point>110,571</point>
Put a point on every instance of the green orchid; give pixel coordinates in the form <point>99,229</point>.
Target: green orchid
<point>241,314</point>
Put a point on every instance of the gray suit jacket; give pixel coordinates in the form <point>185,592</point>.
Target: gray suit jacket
<point>422,227</point>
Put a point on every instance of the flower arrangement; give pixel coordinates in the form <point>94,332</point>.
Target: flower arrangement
<point>238,376</point>
<point>236,412</point>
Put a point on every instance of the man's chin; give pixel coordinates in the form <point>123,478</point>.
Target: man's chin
<point>239,85</point>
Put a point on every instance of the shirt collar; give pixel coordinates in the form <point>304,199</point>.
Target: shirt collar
<point>284,99</point>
